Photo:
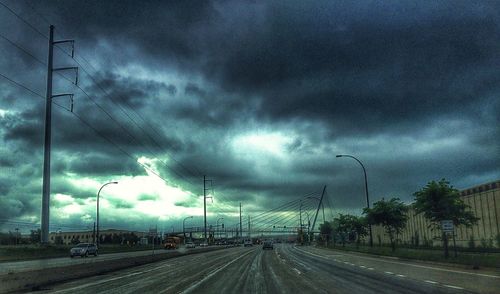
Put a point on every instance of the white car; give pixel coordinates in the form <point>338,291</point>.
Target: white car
<point>247,243</point>
<point>83,250</point>
<point>204,244</point>
<point>190,245</point>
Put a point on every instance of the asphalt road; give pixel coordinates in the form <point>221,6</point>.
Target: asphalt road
<point>28,265</point>
<point>286,269</point>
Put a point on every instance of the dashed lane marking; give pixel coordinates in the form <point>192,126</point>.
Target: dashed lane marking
<point>430,282</point>
<point>389,273</point>
<point>401,276</point>
<point>417,265</point>
<point>297,271</point>
<point>454,287</point>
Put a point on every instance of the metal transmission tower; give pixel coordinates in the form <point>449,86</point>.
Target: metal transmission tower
<point>205,205</point>
<point>44,238</point>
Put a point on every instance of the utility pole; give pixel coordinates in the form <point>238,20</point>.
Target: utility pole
<point>44,234</point>
<point>249,235</point>
<point>205,206</point>
<point>300,224</point>
<point>241,224</point>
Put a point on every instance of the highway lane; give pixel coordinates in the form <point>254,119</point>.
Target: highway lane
<point>285,269</point>
<point>28,265</point>
<point>483,281</point>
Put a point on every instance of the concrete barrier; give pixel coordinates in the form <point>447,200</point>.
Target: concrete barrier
<point>37,279</point>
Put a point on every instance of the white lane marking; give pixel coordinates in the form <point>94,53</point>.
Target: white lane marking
<point>371,268</point>
<point>454,287</point>
<point>401,276</point>
<point>430,282</point>
<point>98,282</point>
<point>362,266</point>
<point>297,271</point>
<point>415,265</point>
<point>389,273</point>
<point>195,285</point>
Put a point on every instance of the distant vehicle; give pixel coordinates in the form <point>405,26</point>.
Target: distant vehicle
<point>267,245</point>
<point>83,250</point>
<point>204,244</point>
<point>172,243</point>
<point>190,245</point>
<point>247,243</point>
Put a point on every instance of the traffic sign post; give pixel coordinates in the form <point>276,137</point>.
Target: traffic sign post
<point>448,227</point>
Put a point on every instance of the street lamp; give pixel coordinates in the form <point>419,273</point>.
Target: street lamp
<point>366,191</point>
<point>217,225</point>
<point>300,223</point>
<point>97,218</point>
<point>184,228</point>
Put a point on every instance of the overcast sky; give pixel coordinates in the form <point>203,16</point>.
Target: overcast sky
<point>258,95</point>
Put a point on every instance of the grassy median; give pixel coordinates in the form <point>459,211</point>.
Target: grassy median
<point>472,259</point>
<point>30,252</point>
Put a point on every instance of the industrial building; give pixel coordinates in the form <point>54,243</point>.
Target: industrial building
<point>484,201</point>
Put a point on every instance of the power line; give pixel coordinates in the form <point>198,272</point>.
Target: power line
<point>83,91</point>
<point>35,29</point>
<point>89,126</point>
<point>23,20</point>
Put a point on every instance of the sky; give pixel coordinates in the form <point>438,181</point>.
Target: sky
<point>259,96</point>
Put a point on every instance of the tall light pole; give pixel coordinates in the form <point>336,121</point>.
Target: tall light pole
<point>300,223</point>
<point>217,225</point>
<point>366,191</point>
<point>184,228</point>
<point>97,216</point>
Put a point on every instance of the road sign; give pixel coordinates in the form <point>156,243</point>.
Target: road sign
<point>447,226</point>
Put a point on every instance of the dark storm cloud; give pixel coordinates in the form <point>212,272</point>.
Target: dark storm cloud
<point>384,64</point>
<point>410,88</point>
<point>98,164</point>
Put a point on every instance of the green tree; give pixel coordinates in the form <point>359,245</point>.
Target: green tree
<point>35,236</point>
<point>392,215</point>
<point>351,227</point>
<point>326,230</point>
<point>438,201</point>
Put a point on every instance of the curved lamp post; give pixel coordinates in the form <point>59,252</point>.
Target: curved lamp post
<point>97,218</point>
<point>366,191</point>
<point>184,228</point>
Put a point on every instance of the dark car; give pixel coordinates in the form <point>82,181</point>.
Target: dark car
<point>83,250</point>
<point>267,245</point>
